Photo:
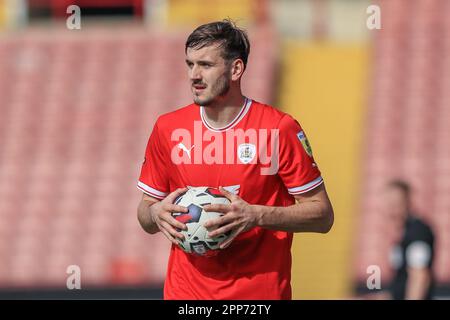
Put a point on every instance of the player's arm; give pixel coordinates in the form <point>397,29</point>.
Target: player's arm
<point>155,209</point>
<point>144,214</point>
<point>155,215</point>
<point>418,260</point>
<point>419,280</point>
<point>313,212</point>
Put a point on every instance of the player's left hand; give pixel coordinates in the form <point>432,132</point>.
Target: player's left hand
<point>238,217</point>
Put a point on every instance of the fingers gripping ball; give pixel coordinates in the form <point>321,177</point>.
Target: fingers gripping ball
<point>196,236</point>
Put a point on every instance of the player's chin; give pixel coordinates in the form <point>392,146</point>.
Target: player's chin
<point>202,101</point>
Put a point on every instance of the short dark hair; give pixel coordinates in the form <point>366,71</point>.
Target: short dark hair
<point>233,40</point>
<point>401,185</point>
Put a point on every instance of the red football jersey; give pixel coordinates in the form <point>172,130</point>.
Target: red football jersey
<point>264,157</point>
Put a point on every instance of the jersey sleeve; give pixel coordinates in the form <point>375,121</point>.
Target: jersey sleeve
<point>419,252</point>
<point>298,169</point>
<point>153,179</point>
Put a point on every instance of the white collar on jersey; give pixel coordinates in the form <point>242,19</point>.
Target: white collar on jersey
<point>244,110</point>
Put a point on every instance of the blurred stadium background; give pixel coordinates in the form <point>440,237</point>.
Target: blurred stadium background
<point>77,106</point>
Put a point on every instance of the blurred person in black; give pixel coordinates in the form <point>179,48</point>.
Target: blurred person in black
<point>413,253</point>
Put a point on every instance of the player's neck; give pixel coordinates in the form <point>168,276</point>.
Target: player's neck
<point>221,113</point>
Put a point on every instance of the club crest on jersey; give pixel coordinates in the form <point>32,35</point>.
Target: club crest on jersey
<point>305,143</point>
<point>246,152</point>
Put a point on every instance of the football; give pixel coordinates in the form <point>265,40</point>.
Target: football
<point>196,236</point>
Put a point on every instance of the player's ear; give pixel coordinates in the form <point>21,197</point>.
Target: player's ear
<point>237,69</point>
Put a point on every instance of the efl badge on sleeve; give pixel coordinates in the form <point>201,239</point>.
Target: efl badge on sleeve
<point>305,143</point>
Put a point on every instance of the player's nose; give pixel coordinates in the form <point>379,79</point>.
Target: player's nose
<point>195,73</point>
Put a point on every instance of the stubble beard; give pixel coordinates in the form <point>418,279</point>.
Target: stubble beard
<point>219,89</point>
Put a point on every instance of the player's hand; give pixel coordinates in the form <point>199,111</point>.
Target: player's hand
<point>161,214</point>
<point>238,217</point>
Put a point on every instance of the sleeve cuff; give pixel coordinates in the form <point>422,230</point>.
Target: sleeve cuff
<point>306,187</point>
<point>151,191</point>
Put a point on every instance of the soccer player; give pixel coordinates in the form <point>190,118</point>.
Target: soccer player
<point>258,157</point>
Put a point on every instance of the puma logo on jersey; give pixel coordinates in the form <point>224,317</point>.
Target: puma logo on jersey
<point>183,147</point>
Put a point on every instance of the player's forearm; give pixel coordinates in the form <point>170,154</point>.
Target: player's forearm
<point>145,218</point>
<point>418,283</point>
<point>301,217</point>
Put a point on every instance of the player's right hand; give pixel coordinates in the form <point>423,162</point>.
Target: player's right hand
<point>161,214</point>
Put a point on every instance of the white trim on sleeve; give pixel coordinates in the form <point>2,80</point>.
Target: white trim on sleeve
<point>306,187</point>
<point>151,191</point>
